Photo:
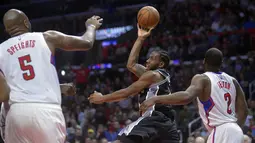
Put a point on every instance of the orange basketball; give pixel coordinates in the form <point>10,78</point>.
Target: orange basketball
<point>148,17</point>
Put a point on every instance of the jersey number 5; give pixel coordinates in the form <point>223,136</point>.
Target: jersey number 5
<point>24,66</point>
<point>227,98</point>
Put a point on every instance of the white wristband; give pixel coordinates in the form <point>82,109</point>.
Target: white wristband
<point>92,25</point>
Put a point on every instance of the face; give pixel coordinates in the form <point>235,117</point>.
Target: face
<point>154,61</point>
<point>104,141</point>
<point>116,125</point>
<point>88,140</point>
<point>191,140</point>
<point>90,134</point>
<point>78,132</point>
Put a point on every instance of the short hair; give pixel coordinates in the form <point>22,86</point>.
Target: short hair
<point>164,57</point>
<point>214,57</point>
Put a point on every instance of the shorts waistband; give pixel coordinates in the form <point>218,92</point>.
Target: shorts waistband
<point>37,105</point>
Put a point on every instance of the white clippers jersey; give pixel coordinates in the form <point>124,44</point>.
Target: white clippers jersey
<point>220,108</point>
<point>28,66</point>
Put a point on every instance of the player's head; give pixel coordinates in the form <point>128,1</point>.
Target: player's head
<point>157,59</point>
<point>213,59</point>
<point>16,22</point>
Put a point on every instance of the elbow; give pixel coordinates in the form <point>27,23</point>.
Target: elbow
<point>88,45</point>
<point>187,100</point>
<point>85,45</point>
<point>129,66</point>
<point>242,114</point>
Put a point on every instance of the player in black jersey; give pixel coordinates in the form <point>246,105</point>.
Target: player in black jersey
<point>157,124</point>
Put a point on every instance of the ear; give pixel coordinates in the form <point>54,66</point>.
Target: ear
<point>161,64</point>
<point>26,23</point>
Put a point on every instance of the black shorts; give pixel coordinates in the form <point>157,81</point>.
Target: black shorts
<point>154,129</point>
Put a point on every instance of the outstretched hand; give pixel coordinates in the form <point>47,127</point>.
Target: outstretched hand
<point>95,21</point>
<point>142,32</point>
<point>96,98</point>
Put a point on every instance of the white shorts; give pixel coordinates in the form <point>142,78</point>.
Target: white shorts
<point>35,123</point>
<point>226,133</point>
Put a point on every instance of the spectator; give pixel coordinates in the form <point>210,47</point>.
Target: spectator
<point>103,140</point>
<point>191,139</point>
<point>199,140</point>
<point>247,139</point>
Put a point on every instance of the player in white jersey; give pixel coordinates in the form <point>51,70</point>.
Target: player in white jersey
<point>67,89</point>
<point>27,63</point>
<point>221,101</point>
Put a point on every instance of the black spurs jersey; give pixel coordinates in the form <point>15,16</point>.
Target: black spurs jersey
<point>161,88</point>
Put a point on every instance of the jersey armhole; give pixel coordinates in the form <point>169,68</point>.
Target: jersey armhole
<point>46,44</point>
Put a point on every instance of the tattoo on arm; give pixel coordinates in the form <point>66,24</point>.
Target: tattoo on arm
<point>139,70</point>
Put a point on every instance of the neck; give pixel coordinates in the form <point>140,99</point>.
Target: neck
<point>17,31</point>
<point>17,34</point>
<point>212,69</point>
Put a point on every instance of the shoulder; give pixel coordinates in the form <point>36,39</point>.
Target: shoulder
<point>236,83</point>
<point>151,75</point>
<point>52,34</point>
<point>202,78</point>
<point>53,37</point>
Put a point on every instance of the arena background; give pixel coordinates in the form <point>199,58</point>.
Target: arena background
<point>187,29</point>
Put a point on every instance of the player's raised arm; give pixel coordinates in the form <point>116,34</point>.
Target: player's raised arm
<point>241,105</point>
<point>133,58</point>
<point>4,89</point>
<point>195,89</point>
<point>85,42</point>
<point>144,81</point>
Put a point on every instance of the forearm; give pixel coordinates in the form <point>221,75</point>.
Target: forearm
<point>116,96</point>
<point>90,35</point>
<point>134,54</point>
<point>178,98</point>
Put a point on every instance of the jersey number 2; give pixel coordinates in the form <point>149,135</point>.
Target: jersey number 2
<point>227,98</point>
<point>24,66</point>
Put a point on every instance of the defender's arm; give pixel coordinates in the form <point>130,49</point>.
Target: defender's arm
<point>241,105</point>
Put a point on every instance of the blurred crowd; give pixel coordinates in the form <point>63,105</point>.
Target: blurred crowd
<point>186,35</point>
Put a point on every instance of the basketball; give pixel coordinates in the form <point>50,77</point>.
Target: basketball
<point>148,17</point>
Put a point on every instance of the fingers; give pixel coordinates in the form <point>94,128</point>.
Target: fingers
<point>97,18</point>
<point>144,29</point>
<point>150,29</point>
<point>90,97</point>
<point>138,27</point>
<point>100,20</point>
